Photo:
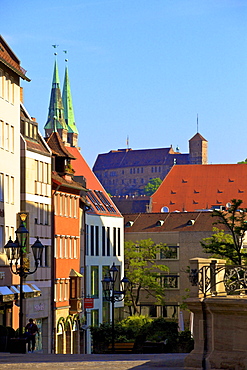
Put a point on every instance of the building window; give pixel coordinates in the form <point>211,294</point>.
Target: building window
<point>44,261</point>
<point>114,241</point>
<point>65,247</point>
<point>87,240</point>
<point>108,242</point>
<point>12,190</point>
<point>11,141</point>
<point>1,134</point>
<point>95,317</point>
<point>7,136</point>
<point>148,310</point>
<point>119,241</point>
<point>61,246</point>
<point>1,187</point>
<point>103,240</point>
<point>73,287</point>
<point>96,240</point>
<point>170,311</point>
<point>169,281</point>
<point>75,247</point>
<point>170,252</point>
<point>7,188</point>
<point>95,281</point>
<point>92,240</point>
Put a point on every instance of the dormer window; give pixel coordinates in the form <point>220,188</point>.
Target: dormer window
<point>159,223</point>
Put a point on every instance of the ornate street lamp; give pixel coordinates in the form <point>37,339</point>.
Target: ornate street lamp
<point>112,295</point>
<point>15,252</point>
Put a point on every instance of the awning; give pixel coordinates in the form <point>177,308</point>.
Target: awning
<point>29,290</point>
<point>6,295</point>
<point>12,293</point>
<point>74,273</point>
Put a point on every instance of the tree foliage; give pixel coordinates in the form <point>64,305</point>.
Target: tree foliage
<point>229,244</point>
<point>143,271</point>
<point>245,161</point>
<point>152,186</point>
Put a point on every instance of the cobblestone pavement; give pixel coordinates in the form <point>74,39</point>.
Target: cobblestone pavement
<point>37,361</point>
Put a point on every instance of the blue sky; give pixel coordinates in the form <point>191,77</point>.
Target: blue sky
<point>139,68</point>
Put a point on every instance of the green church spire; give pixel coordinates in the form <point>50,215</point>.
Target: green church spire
<point>68,105</point>
<point>55,119</point>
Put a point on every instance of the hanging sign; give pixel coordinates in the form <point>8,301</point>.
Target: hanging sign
<point>88,303</point>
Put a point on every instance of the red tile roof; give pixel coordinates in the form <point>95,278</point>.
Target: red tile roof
<point>57,146</point>
<point>147,222</point>
<point>98,198</point>
<point>195,187</point>
<point>8,58</point>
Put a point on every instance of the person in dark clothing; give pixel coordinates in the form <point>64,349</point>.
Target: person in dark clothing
<point>31,330</point>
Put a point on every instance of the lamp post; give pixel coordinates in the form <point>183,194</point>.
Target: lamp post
<point>15,252</point>
<point>112,295</point>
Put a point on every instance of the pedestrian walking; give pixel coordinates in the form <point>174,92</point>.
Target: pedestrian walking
<point>31,330</point>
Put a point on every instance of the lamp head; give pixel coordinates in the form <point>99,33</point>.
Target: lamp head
<point>37,249</point>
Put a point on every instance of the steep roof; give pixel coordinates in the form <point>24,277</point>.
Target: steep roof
<point>37,143</point>
<point>8,58</point>
<point>55,118</point>
<point>142,157</point>
<point>165,222</point>
<point>195,187</point>
<point>68,105</point>
<point>197,136</point>
<point>66,182</point>
<point>57,146</point>
<point>100,201</point>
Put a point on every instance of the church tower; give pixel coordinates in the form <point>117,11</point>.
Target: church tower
<point>56,121</point>
<point>198,149</point>
<point>69,111</point>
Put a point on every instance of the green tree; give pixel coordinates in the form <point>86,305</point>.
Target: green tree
<point>228,244</point>
<point>143,272</point>
<point>152,186</point>
<point>243,161</point>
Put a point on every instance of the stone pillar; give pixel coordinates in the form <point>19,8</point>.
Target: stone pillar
<point>220,321</point>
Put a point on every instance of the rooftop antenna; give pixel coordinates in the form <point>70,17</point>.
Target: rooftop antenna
<point>197,123</point>
<point>55,46</point>
<point>127,141</point>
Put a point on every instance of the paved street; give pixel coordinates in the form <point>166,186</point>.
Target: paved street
<point>38,361</point>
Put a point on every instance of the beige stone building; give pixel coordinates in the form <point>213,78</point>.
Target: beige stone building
<point>11,74</point>
<point>182,233</point>
<point>36,202</point>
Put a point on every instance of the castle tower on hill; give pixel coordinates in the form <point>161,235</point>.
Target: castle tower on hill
<point>198,149</point>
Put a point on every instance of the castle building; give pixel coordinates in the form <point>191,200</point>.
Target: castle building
<point>127,171</point>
